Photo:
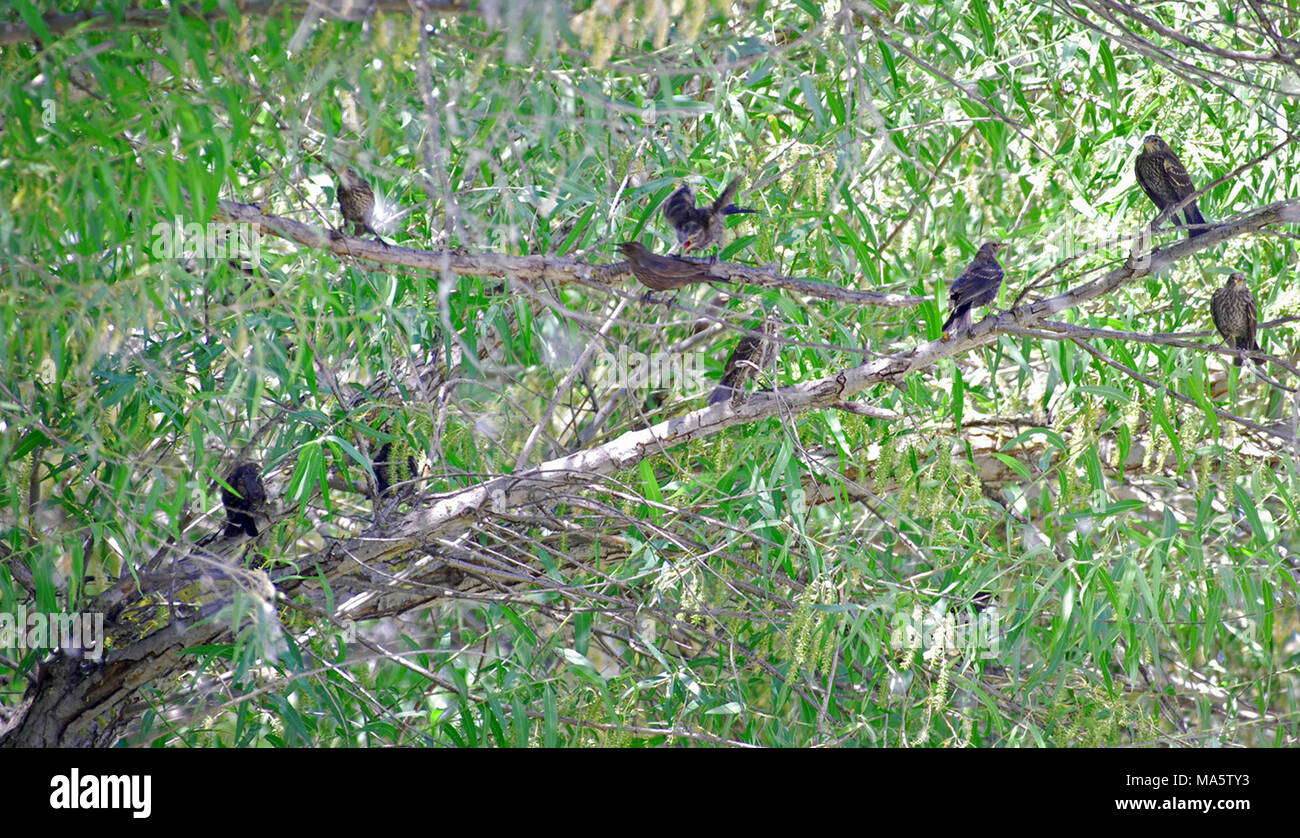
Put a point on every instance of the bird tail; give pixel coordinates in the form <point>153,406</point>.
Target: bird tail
<point>732,209</point>
<point>375,233</point>
<point>958,321</point>
<point>1253,346</point>
<point>720,394</point>
<point>240,522</point>
<point>727,198</point>
<point>733,375</point>
<point>1195,220</point>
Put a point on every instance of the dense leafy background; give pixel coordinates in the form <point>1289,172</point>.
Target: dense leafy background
<point>1140,551</point>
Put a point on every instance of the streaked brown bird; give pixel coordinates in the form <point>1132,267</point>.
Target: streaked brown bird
<point>244,496</point>
<point>1166,182</point>
<point>356,201</point>
<point>751,354</point>
<point>664,273</point>
<point>1235,315</point>
<point>698,227</point>
<point>976,286</point>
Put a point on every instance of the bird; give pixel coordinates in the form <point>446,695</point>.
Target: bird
<point>356,201</point>
<point>387,472</point>
<point>244,496</point>
<point>751,354</point>
<point>1166,182</point>
<point>1235,315</point>
<point>664,273</point>
<point>976,286</point>
<point>697,227</point>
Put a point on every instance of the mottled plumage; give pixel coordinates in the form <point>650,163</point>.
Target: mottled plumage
<point>1166,182</point>
<point>1235,315</point>
<point>752,353</point>
<point>698,227</point>
<point>356,201</point>
<point>977,286</point>
<point>245,502</point>
<point>664,273</point>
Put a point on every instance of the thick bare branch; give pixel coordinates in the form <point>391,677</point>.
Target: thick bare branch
<point>550,268</point>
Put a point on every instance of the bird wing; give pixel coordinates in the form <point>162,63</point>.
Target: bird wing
<point>977,277</point>
<point>1178,177</point>
<point>1216,311</point>
<point>1252,316</point>
<point>1149,174</point>
<point>680,206</point>
<point>727,197</point>
<point>673,268</point>
<point>747,350</point>
<point>740,367</point>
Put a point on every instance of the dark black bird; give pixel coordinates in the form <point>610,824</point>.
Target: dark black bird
<point>1235,315</point>
<point>386,470</point>
<point>356,201</point>
<point>739,367</point>
<point>977,286</point>
<point>247,499</point>
<point>1166,182</point>
<point>752,353</point>
<point>698,227</point>
<point>664,273</point>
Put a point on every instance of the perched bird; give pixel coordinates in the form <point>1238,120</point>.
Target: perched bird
<point>698,227</point>
<point>752,353</point>
<point>388,473</point>
<point>356,201</point>
<point>1166,182</point>
<point>664,273</point>
<point>1235,315</point>
<point>244,496</point>
<point>977,286</point>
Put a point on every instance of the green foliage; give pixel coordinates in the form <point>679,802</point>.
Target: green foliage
<point>757,586</point>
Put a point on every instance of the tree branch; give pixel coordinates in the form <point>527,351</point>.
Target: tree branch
<point>1284,434</point>
<point>535,268</point>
